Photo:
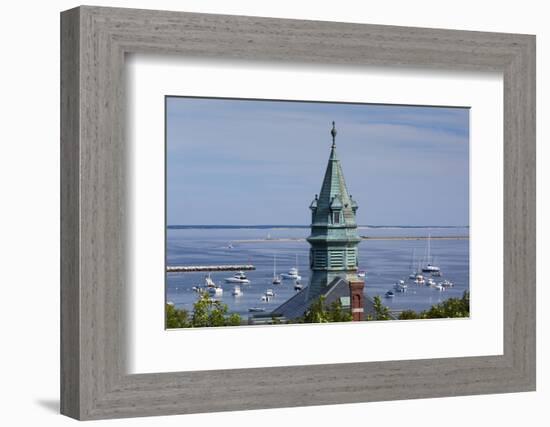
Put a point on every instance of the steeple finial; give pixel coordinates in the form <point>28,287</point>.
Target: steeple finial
<point>333,133</point>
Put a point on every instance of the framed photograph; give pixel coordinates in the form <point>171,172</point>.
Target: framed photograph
<point>281,213</point>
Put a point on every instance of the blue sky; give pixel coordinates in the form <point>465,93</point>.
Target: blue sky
<point>262,162</point>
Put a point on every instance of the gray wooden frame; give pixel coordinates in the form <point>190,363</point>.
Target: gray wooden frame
<point>94,41</point>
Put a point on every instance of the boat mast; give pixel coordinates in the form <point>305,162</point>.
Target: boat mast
<point>428,261</point>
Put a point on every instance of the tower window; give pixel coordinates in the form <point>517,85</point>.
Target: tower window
<point>336,217</point>
<point>351,258</point>
<point>320,259</point>
<point>337,259</point>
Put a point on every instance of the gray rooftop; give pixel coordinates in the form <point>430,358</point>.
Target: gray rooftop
<point>338,289</point>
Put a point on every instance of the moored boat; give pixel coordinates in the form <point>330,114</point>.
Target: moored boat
<point>239,277</point>
<point>217,291</point>
<point>430,268</point>
<point>212,287</point>
<point>400,286</point>
<point>293,273</point>
<point>276,278</point>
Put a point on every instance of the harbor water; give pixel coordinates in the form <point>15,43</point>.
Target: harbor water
<point>386,255</point>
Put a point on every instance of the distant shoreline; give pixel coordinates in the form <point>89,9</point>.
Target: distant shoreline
<point>301,239</point>
<point>282,227</point>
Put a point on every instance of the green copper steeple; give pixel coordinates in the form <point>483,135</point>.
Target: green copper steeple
<point>333,236</point>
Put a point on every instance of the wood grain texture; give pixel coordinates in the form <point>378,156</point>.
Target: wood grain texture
<point>94,381</point>
<point>70,221</point>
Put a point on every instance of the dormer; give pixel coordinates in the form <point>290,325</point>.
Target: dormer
<point>354,205</point>
<point>336,210</point>
<point>313,207</point>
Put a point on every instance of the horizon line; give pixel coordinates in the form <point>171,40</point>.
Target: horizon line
<point>309,226</point>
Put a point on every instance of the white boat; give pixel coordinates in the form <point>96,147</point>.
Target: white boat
<point>215,290</point>
<point>265,298</point>
<point>429,268</point>
<point>256,309</point>
<point>218,291</point>
<point>212,287</point>
<point>276,277</point>
<point>236,292</point>
<point>298,286</point>
<point>400,286</point>
<point>208,282</point>
<point>269,293</point>
<point>361,274</point>
<point>293,273</point>
<point>419,279</point>
<point>431,282</point>
<point>439,287</point>
<point>447,284</point>
<point>239,277</point>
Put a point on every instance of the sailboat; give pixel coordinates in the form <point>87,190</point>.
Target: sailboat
<point>413,274</point>
<point>276,277</point>
<point>212,287</point>
<point>429,268</point>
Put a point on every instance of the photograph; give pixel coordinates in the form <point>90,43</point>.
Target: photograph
<point>288,212</point>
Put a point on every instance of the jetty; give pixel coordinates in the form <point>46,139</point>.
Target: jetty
<point>192,268</point>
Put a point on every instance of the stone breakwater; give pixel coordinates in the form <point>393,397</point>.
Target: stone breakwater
<point>192,268</point>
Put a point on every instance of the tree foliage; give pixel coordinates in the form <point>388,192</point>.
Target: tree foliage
<point>381,312</point>
<point>453,307</point>
<point>319,312</point>
<point>206,313</point>
<point>176,318</point>
<point>408,314</point>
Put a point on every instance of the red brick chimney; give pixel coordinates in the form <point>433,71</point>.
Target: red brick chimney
<point>357,299</point>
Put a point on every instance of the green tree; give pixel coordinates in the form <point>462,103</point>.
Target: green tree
<point>409,314</point>
<point>453,307</point>
<point>208,312</point>
<point>201,311</point>
<point>337,313</point>
<point>233,320</point>
<point>381,312</point>
<point>176,318</point>
<point>318,312</point>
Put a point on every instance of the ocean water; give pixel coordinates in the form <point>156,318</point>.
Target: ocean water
<point>386,258</point>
